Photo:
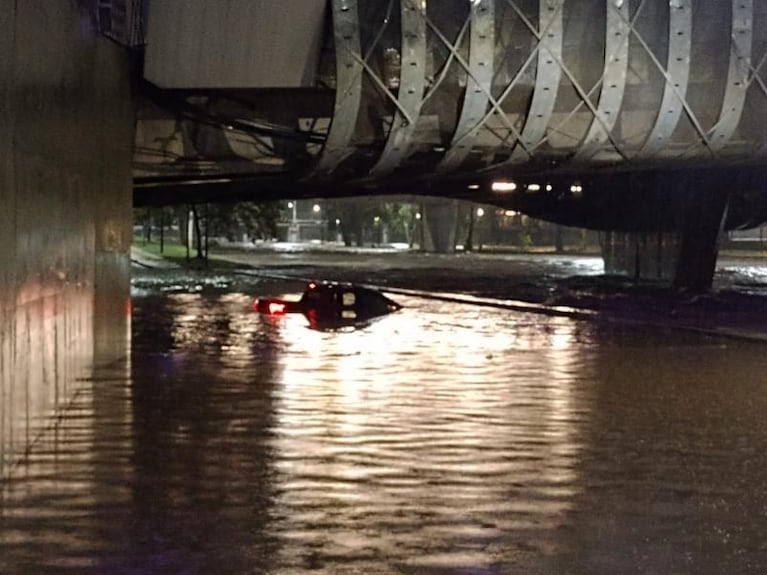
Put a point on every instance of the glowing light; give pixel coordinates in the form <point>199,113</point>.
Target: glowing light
<point>316,208</point>
<point>509,213</point>
<point>533,187</point>
<point>290,205</point>
<point>338,222</point>
<point>576,189</point>
<point>548,187</point>
<point>276,308</point>
<point>473,186</point>
<point>376,219</point>
<point>504,186</point>
<point>312,285</point>
<point>480,212</point>
<point>418,215</point>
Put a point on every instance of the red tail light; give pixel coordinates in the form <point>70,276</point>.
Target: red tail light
<point>270,306</point>
<point>276,308</point>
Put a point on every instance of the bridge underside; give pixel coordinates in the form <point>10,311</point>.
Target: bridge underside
<point>616,100</point>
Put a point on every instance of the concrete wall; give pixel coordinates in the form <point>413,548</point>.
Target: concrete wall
<point>66,126</point>
<point>234,43</point>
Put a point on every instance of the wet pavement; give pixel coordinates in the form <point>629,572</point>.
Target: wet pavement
<point>444,439</point>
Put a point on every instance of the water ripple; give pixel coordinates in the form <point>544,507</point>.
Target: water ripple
<point>444,439</point>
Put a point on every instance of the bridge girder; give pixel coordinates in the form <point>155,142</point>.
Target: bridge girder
<point>445,97</point>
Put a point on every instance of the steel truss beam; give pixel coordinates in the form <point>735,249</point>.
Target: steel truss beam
<point>550,35</point>
<point>554,58</point>
<point>411,89</point>
<point>495,103</point>
<point>478,104</point>
<point>612,82</point>
<point>478,86</point>
<point>737,74</point>
<point>346,33</point>
<point>677,74</point>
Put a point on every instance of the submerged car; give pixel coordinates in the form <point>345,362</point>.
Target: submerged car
<point>330,305</point>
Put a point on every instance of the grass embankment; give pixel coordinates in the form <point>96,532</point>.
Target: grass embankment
<point>170,250</point>
<point>177,253</point>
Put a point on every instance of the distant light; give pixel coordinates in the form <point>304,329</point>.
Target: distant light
<point>338,222</point>
<point>290,205</point>
<point>504,186</point>
<point>377,219</point>
<point>312,285</point>
<point>576,189</point>
<point>316,208</point>
<point>439,148</point>
<point>473,186</point>
<point>418,215</point>
<point>548,187</point>
<point>480,212</point>
<point>509,213</point>
<point>533,187</point>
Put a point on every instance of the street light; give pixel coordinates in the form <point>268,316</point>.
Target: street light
<point>293,230</point>
<point>504,186</point>
<point>316,208</point>
<point>480,212</point>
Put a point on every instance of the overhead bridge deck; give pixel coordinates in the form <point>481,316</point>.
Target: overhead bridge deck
<point>628,116</point>
<point>415,92</point>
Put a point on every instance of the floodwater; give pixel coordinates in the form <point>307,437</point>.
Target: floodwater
<point>444,439</point>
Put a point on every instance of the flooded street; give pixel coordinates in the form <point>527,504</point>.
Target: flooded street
<point>447,438</point>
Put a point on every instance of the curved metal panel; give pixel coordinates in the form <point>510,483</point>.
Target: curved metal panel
<point>549,73</point>
<point>617,34</point>
<point>737,75</point>
<point>411,88</point>
<point>677,75</point>
<point>478,86</point>
<point>349,66</point>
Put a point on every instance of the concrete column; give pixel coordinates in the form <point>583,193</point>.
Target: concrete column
<point>66,127</point>
<point>7,233</point>
<point>701,232</point>
<point>440,219</point>
<point>113,207</point>
<point>684,255</point>
<point>641,255</point>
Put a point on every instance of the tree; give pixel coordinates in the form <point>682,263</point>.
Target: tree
<point>256,220</point>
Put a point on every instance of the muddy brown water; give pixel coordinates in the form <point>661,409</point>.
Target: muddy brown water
<point>444,439</point>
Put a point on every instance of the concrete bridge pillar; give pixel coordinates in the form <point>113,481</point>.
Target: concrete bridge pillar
<point>684,256</point>
<point>66,135</point>
<point>641,255</point>
<point>440,221</point>
<point>701,231</point>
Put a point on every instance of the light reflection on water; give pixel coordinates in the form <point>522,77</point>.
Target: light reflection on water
<point>443,439</point>
<point>376,434</point>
